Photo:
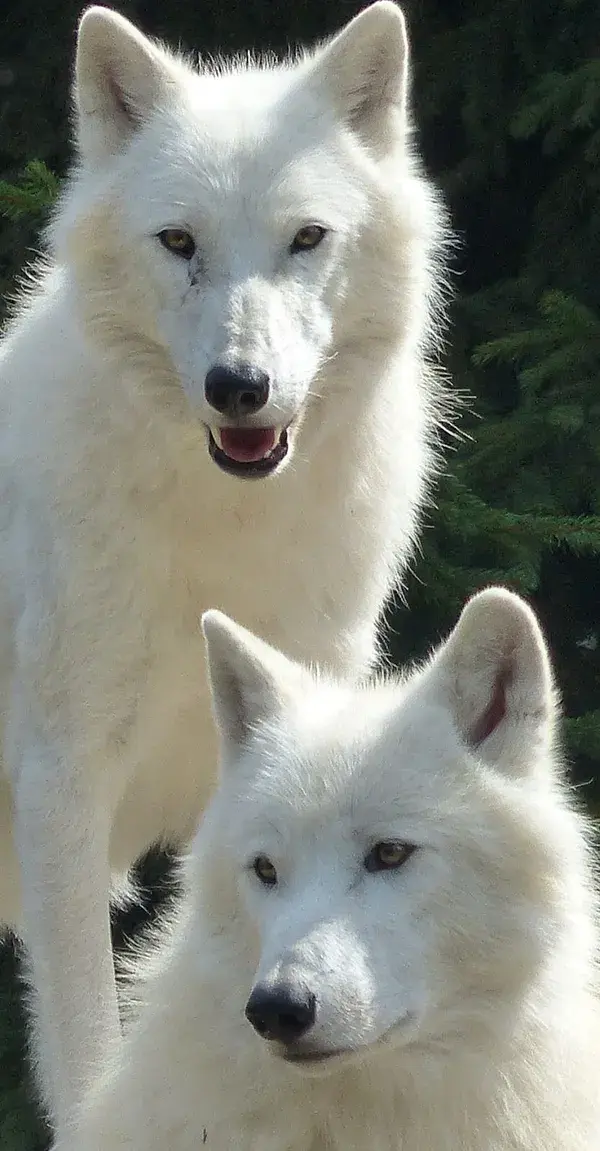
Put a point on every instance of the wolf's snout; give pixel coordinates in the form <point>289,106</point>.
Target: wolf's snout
<point>235,392</point>
<point>283,1013</point>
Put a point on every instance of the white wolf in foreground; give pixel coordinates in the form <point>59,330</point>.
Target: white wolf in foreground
<point>243,266</point>
<point>392,886</point>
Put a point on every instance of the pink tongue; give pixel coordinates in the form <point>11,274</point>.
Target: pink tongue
<point>249,445</point>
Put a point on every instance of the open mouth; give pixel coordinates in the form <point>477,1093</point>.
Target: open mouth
<point>250,453</point>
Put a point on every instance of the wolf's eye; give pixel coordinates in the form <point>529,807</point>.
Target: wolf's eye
<point>265,871</point>
<point>178,241</point>
<point>307,238</point>
<point>388,855</point>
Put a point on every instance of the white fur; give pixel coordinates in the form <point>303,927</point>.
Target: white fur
<point>118,529</point>
<point>458,992</point>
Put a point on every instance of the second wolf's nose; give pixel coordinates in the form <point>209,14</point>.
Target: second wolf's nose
<point>281,1013</point>
<point>238,391</point>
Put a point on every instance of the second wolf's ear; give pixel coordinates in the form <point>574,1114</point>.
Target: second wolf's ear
<point>364,70</point>
<point>494,674</point>
<point>120,76</point>
<point>250,681</point>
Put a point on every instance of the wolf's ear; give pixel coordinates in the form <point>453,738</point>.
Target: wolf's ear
<point>494,673</point>
<point>364,70</point>
<point>120,76</point>
<point>250,681</point>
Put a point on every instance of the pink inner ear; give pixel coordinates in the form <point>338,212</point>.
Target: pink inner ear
<point>494,712</point>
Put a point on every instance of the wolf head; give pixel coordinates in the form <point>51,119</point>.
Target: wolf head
<point>232,233</point>
<point>406,863</point>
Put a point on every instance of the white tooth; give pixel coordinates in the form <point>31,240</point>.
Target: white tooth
<point>216,435</point>
<point>277,432</point>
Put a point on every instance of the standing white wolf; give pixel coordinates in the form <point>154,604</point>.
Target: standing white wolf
<point>242,270</point>
<point>392,886</point>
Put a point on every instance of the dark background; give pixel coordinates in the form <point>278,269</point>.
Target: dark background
<point>507,101</point>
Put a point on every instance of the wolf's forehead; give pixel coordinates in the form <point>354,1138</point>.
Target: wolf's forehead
<point>241,85</point>
<point>373,767</point>
<point>329,805</point>
<point>391,770</point>
<point>192,151</point>
<point>224,114</point>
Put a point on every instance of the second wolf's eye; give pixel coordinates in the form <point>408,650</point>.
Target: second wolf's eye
<point>265,870</point>
<point>178,241</point>
<point>307,238</point>
<point>388,855</point>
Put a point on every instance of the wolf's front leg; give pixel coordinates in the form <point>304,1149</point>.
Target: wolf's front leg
<point>62,828</point>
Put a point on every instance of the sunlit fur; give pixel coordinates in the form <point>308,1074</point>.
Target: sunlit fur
<point>118,529</point>
<point>460,989</point>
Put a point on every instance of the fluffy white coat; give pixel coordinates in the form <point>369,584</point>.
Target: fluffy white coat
<point>393,885</point>
<point>118,528</point>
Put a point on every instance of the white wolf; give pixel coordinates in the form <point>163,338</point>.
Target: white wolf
<point>243,285</point>
<point>392,886</point>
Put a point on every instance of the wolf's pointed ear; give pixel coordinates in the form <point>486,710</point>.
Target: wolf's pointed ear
<point>494,673</point>
<point>364,70</point>
<point>250,681</point>
<point>120,76</point>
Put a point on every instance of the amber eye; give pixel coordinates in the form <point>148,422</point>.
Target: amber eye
<point>265,871</point>
<point>178,241</point>
<point>307,238</point>
<point>388,855</point>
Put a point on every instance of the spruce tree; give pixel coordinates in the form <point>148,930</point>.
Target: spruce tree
<point>510,112</point>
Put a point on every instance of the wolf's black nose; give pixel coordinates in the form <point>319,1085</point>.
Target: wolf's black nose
<point>282,1013</point>
<point>238,391</point>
